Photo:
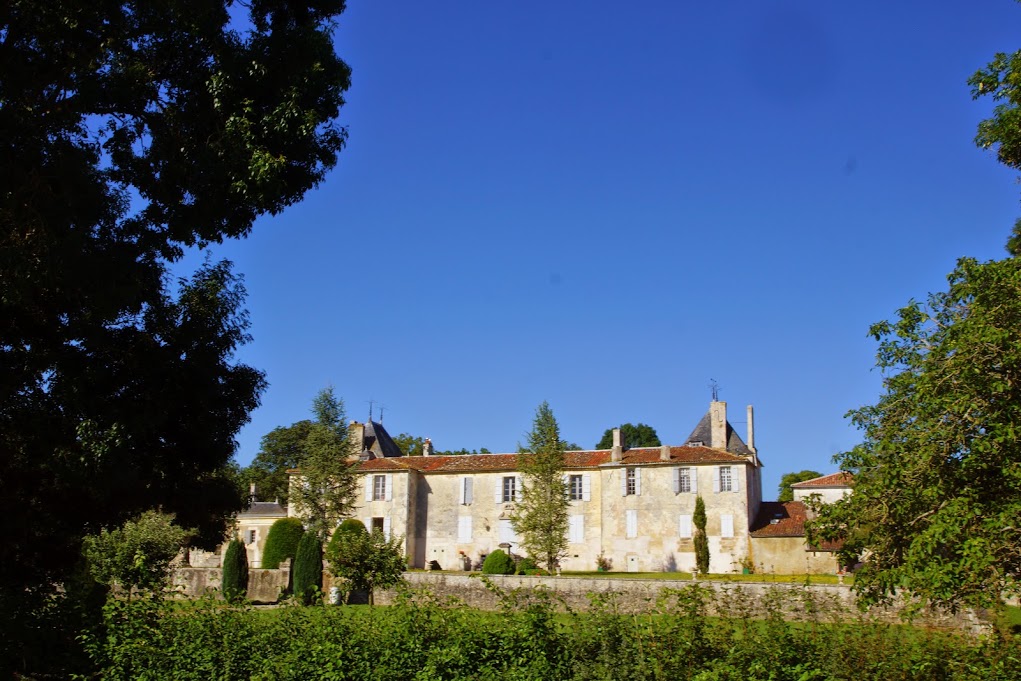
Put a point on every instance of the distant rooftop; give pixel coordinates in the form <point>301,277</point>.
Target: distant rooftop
<point>838,479</point>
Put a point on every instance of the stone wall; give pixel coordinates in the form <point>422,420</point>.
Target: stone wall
<point>264,586</point>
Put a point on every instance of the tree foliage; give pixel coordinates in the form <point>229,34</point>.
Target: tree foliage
<point>234,581</point>
<point>541,515</point>
<point>279,450</point>
<point>326,490</point>
<point>498,563</point>
<point>937,490</point>
<point>137,555</point>
<point>631,435</point>
<point>282,542</point>
<point>701,539</point>
<point>307,570</point>
<point>785,492</point>
<point>366,560</point>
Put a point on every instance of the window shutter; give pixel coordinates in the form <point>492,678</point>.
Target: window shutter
<point>623,482</point>
<point>586,487</point>
<point>726,525</point>
<point>638,481</point>
<point>388,487</point>
<point>461,490</point>
<point>716,478</point>
<point>576,529</point>
<point>677,481</point>
<point>368,487</point>
<point>518,491</point>
<point>735,479</point>
<point>498,496</point>
<point>386,527</point>
<point>567,486</point>
<point>368,525</point>
<point>632,524</point>
<point>685,526</point>
<point>694,479</point>
<point>464,529</point>
<point>469,490</point>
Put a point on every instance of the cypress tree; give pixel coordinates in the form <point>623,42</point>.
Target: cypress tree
<point>282,542</point>
<point>701,540</point>
<point>308,569</point>
<point>235,572</point>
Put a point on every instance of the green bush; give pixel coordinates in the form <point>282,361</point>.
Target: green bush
<point>282,542</point>
<point>349,526</point>
<point>525,564</point>
<point>498,563</point>
<point>308,569</point>
<point>234,584</point>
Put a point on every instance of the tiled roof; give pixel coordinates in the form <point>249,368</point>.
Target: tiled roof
<point>838,479</point>
<point>789,517</point>
<point>572,460</point>
<point>704,433</point>
<point>264,508</point>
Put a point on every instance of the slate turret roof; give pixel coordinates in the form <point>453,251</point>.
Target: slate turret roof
<point>704,433</point>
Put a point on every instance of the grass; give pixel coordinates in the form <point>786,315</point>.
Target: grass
<point>686,576</point>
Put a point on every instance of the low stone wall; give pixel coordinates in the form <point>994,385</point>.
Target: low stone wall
<point>264,586</point>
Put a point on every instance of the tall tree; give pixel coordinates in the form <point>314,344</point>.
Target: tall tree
<point>132,131</point>
<point>326,492</point>
<point>701,539</point>
<point>279,450</point>
<point>937,490</point>
<point>785,492</point>
<point>541,515</point>
<point>631,435</point>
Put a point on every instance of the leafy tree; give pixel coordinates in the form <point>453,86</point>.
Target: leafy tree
<point>279,450</point>
<point>282,542</point>
<point>788,479</point>
<point>541,515</point>
<point>498,563</point>
<point>410,445</point>
<point>366,560</point>
<point>701,539</point>
<point>137,555</point>
<point>131,132</point>
<point>326,492</point>
<point>937,489</point>
<point>234,581</point>
<point>307,571</point>
<point>631,436</point>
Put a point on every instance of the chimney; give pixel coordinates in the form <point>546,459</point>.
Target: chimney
<point>251,492</point>
<point>618,448</point>
<point>751,428</point>
<point>664,453</point>
<point>427,447</point>
<point>718,418</point>
<point>356,434</point>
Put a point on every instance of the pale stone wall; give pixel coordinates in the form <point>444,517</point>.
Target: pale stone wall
<point>264,586</point>
<point>394,509</point>
<point>827,495</point>
<point>787,556</point>
<point>246,530</point>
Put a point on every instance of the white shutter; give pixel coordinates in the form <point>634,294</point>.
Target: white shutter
<point>576,529</point>
<point>735,479</point>
<point>716,478</point>
<point>685,527</point>
<point>461,490</point>
<point>623,482</point>
<point>368,487</point>
<point>677,481</point>
<point>638,481</point>
<point>694,479</point>
<point>388,487</point>
<point>368,525</point>
<point>518,490</point>
<point>586,487</point>
<point>498,496</point>
<point>386,527</point>
<point>469,490</point>
<point>726,526</point>
<point>632,524</point>
<point>464,529</point>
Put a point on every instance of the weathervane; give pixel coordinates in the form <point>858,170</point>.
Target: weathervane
<point>715,388</point>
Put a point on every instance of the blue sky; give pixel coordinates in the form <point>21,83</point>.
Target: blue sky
<point>606,205</point>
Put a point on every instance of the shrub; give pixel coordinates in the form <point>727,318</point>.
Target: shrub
<point>234,584</point>
<point>282,542</point>
<point>498,563</point>
<point>308,569</point>
<point>525,564</point>
<point>346,528</point>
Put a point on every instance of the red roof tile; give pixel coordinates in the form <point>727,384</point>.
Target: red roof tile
<point>838,479</point>
<point>789,517</point>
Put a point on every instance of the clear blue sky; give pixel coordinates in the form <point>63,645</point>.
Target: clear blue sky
<point>606,205</point>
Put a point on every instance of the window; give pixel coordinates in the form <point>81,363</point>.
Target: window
<point>253,535</point>
<point>631,518</point>
<point>574,488</point>
<point>726,479</point>
<point>510,488</point>
<point>379,488</point>
<point>684,480</point>
<point>726,526</point>
<point>576,529</point>
<point>631,481</point>
<point>377,525</point>
<point>684,530</point>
